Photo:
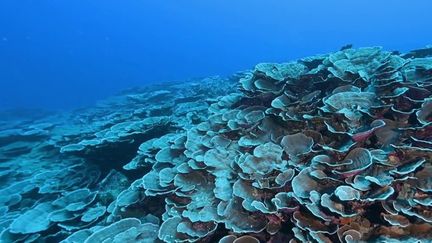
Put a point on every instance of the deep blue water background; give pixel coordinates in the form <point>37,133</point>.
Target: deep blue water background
<point>62,54</point>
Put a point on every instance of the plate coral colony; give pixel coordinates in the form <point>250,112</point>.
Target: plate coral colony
<point>329,148</point>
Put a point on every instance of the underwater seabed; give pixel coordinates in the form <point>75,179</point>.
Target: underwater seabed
<point>330,148</point>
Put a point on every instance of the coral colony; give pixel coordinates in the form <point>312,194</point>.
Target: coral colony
<point>329,148</point>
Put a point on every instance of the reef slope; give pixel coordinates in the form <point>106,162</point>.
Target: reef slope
<point>330,148</point>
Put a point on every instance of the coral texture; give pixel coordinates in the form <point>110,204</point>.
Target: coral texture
<point>329,148</point>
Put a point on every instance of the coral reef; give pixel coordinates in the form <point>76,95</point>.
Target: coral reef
<point>329,148</point>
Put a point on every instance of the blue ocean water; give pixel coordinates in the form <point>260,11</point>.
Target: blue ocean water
<point>67,54</point>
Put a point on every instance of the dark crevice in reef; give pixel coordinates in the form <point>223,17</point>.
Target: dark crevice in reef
<point>116,155</point>
<point>373,214</point>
